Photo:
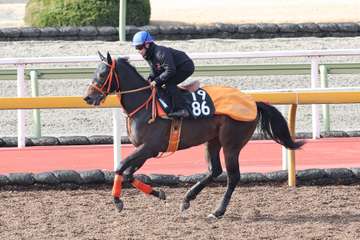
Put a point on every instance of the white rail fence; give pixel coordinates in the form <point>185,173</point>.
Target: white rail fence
<point>314,56</point>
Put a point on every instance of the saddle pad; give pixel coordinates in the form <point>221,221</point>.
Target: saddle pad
<point>198,103</point>
<point>232,102</point>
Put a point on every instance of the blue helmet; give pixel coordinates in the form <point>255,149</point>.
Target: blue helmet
<point>141,38</point>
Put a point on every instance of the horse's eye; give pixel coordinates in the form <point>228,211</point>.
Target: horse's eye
<point>99,78</point>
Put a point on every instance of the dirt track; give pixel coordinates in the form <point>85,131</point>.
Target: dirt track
<point>261,212</point>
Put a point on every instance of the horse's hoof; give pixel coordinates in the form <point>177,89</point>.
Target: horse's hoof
<point>119,204</point>
<point>162,195</point>
<point>159,194</point>
<point>184,206</point>
<point>213,217</point>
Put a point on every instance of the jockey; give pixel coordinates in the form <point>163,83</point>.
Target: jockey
<point>169,67</point>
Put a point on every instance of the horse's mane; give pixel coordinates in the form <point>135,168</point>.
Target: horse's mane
<point>125,60</point>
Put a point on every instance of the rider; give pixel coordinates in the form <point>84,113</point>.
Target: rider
<point>169,67</point>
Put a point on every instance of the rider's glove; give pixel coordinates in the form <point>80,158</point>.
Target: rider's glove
<point>153,83</point>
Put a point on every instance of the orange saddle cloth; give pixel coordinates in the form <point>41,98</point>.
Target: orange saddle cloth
<point>232,102</point>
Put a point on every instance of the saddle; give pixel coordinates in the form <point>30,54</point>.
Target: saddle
<point>191,87</point>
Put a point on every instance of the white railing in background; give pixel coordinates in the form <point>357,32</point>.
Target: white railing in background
<point>195,56</point>
<point>313,55</point>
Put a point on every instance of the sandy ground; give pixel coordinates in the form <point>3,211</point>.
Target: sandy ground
<point>261,212</point>
<point>11,15</point>
<point>225,11</point>
<point>255,11</point>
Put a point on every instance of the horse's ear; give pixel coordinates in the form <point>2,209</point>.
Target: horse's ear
<point>102,58</point>
<point>109,60</point>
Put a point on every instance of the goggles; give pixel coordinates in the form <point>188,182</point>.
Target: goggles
<point>140,47</point>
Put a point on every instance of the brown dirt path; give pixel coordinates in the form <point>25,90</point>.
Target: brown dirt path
<point>261,212</point>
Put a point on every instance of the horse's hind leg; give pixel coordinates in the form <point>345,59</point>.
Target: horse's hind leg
<point>233,137</point>
<point>213,158</point>
<point>233,177</point>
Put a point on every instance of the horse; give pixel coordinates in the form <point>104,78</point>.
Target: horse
<point>151,137</point>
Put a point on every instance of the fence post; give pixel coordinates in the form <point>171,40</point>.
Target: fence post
<point>315,109</point>
<point>122,20</point>
<point>325,107</point>
<point>117,137</point>
<point>36,112</point>
<point>291,153</point>
<point>284,151</point>
<point>21,113</point>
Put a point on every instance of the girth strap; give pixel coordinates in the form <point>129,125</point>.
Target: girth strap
<point>174,138</point>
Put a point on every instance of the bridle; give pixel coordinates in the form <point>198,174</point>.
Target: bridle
<point>108,81</point>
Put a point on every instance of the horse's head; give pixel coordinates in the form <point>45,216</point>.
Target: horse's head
<point>104,82</point>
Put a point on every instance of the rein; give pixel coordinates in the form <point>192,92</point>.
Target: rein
<point>109,80</point>
<point>146,103</point>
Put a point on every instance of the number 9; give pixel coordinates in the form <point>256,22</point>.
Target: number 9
<point>202,93</point>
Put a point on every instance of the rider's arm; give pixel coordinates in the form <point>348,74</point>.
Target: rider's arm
<point>168,65</point>
<point>152,74</point>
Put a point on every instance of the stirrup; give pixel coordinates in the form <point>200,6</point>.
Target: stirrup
<point>183,113</point>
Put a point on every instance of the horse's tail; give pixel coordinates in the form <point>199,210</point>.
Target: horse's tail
<point>274,125</point>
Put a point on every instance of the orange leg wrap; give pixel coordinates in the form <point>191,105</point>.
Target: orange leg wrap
<point>142,186</point>
<point>116,191</point>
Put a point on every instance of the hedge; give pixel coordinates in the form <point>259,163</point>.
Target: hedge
<point>76,13</point>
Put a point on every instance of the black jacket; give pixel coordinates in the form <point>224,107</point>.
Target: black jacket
<point>164,62</point>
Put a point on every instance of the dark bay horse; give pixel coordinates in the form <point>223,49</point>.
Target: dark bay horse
<point>120,77</point>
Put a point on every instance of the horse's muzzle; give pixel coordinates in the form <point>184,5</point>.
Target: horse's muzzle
<point>88,100</point>
<point>93,100</point>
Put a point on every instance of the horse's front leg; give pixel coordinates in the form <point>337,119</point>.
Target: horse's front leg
<point>133,162</point>
<point>138,184</point>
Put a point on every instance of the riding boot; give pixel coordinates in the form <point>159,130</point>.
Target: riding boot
<point>179,110</point>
